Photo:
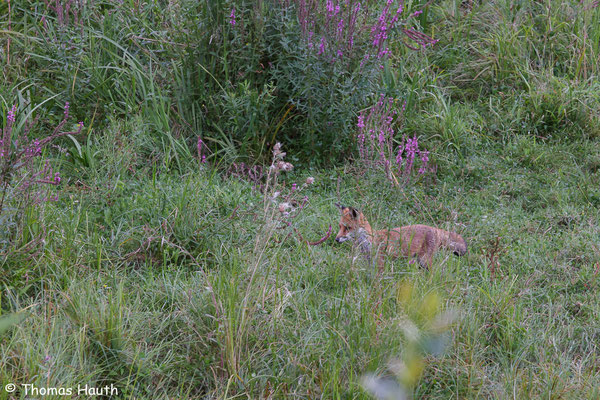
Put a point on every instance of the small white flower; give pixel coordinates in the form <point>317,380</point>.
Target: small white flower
<point>310,180</point>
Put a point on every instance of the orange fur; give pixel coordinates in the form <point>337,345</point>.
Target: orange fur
<point>421,241</point>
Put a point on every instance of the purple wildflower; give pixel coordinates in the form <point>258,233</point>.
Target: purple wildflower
<point>322,46</point>
<point>424,154</point>
<point>329,8</point>
<point>11,114</point>
<point>35,149</point>
<point>200,148</point>
<point>399,157</point>
<point>411,149</point>
<point>232,17</point>
<point>361,121</point>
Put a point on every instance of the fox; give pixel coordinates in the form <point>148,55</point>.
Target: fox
<point>422,241</point>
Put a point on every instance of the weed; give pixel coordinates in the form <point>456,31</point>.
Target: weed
<point>376,143</point>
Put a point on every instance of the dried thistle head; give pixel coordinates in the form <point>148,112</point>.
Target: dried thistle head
<point>284,207</point>
<point>277,153</point>
<point>284,166</point>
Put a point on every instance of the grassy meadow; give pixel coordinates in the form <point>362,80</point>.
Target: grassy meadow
<point>161,246</point>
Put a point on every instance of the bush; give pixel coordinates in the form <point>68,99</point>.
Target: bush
<point>290,71</point>
<point>240,74</point>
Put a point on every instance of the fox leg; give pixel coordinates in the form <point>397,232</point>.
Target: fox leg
<point>380,262</point>
<point>425,256</point>
<point>425,260</point>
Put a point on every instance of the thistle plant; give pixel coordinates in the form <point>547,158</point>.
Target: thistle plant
<point>25,174</point>
<point>377,148</point>
<point>282,204</point>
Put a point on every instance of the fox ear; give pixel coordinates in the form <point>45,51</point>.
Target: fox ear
<point>354,212</point>
<point>340,206</point>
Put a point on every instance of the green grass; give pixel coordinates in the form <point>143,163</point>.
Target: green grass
<point>167,278</point>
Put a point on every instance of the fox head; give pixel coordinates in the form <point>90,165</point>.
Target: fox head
<point>352,224</point>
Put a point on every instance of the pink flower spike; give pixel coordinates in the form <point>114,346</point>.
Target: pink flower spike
<point>200,149</point>
<point>361,121</point>
<point>11,114</point>
<point>329,7</point>
<point>322,46</point>
<point>232,17</point>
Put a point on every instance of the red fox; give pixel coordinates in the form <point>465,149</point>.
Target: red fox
<point>413,240</point>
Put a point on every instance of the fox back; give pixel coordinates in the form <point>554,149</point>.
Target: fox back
<point>421,241</point>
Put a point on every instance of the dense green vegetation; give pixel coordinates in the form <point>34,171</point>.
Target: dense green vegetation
<point>170,277</point>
